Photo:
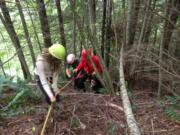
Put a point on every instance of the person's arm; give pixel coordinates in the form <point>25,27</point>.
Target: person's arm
<point>68,73</point>
<point>79,66</point>
<point>44,82</point>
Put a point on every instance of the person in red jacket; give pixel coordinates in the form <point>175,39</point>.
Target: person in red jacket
<point>85,67</point>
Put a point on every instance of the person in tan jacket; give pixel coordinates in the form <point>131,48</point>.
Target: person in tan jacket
<point>47,71</point>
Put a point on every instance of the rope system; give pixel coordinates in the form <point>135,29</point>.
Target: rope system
<point>50,108</point>
<point>47,117</point>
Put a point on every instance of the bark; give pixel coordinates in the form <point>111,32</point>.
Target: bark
<point>103,28</point>
<point>92,15</point>
<point>145,21</point>
<point>26,32</point>
<point>132,17</point>
<point>6,20</point>
<point>1,65</point>
<point>132,124</point>
<point>74,26</point>
<point>149,23</point>
<point>108,31</point>
<point>61,23</point>
<point>155,36</point>
<point>172,13</point>
<point>44,23</point>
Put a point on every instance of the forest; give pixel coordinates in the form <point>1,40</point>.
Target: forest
<point>126,82</point>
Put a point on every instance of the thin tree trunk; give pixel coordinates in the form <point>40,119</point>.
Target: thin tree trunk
<point>44,23</point>
<point>61,23</point>
<point>161,46</point>
<point>3,39</point>
<point>34,28</point>
<point>143,29</point>
<point>28,39</point>
<point>6,20</point>
<point>133,10</point>
<point>103,42</point>
<point>92,15</point>
<point>173,9</point>
<point>155,36</point>
<point>149,23</point>
<point>74,27</point>
<point>1,65</point>
<point>134,64</point>
<point>108,31</point>
<point>132,124</point>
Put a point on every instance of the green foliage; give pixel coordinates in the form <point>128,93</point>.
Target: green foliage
<point>112,129</point>
<point>18,101</point>
<point>6,83</point>
<point>75,122</point>
<point>103,90</point>
<point>173,108</point>
<point>2,54</point>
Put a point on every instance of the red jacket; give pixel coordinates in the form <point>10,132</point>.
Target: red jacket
<point>86,64</point>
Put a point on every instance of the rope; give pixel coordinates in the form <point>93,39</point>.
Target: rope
<point>46,120</point>
<point>50,109</point>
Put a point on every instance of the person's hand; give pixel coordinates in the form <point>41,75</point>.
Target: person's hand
<point>68,77</point>
<point>53,99</point>
<point>75,70</point>
<point>57,91</point>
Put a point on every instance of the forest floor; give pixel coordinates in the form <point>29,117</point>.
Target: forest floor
<point>87,113</point>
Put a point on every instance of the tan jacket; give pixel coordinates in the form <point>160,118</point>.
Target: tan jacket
<point>42,69</point>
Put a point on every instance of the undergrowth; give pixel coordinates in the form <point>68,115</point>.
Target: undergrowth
<point>173,107</point>
<point>16,97</point>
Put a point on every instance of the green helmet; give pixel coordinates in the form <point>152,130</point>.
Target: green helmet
<point>58,51</point>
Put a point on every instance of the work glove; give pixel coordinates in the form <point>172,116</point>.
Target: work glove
<point>93,83</point>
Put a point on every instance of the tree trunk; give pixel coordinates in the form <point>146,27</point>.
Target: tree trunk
<point>108,31</point>
<point>133,10</point>
<point>132,124</point>
<point>14,38</point>
<point>1,65</point>
<point>173,9</point>
<point>61,23</point>
<point>149,23</point>
<point>92,15</point>
<point>103,42</point>
<point>28,39</point>
<point>44,23</point>
<point>145,21</point>
<point>3,39</point>
<point>74,27</point>
<point>34,29</point>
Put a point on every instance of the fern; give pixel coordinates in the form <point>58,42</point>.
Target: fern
<point>172,110</point>
<point>20,101</point>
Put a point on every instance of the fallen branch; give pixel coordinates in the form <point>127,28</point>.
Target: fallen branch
<point>132,124</point>
<point>115,106</point>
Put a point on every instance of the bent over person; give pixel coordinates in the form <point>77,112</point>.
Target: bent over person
<point>47,71</point>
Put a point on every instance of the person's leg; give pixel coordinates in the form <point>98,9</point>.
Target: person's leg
<point>95,84</point>
<point>79,82</point>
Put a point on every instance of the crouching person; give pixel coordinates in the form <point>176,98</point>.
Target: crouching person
<point>47,71</point>
<point>71,64</point>
<point>87,70</point>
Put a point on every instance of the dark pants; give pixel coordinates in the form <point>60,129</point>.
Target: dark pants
<point>79,81</point>
<point>44,92</point>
